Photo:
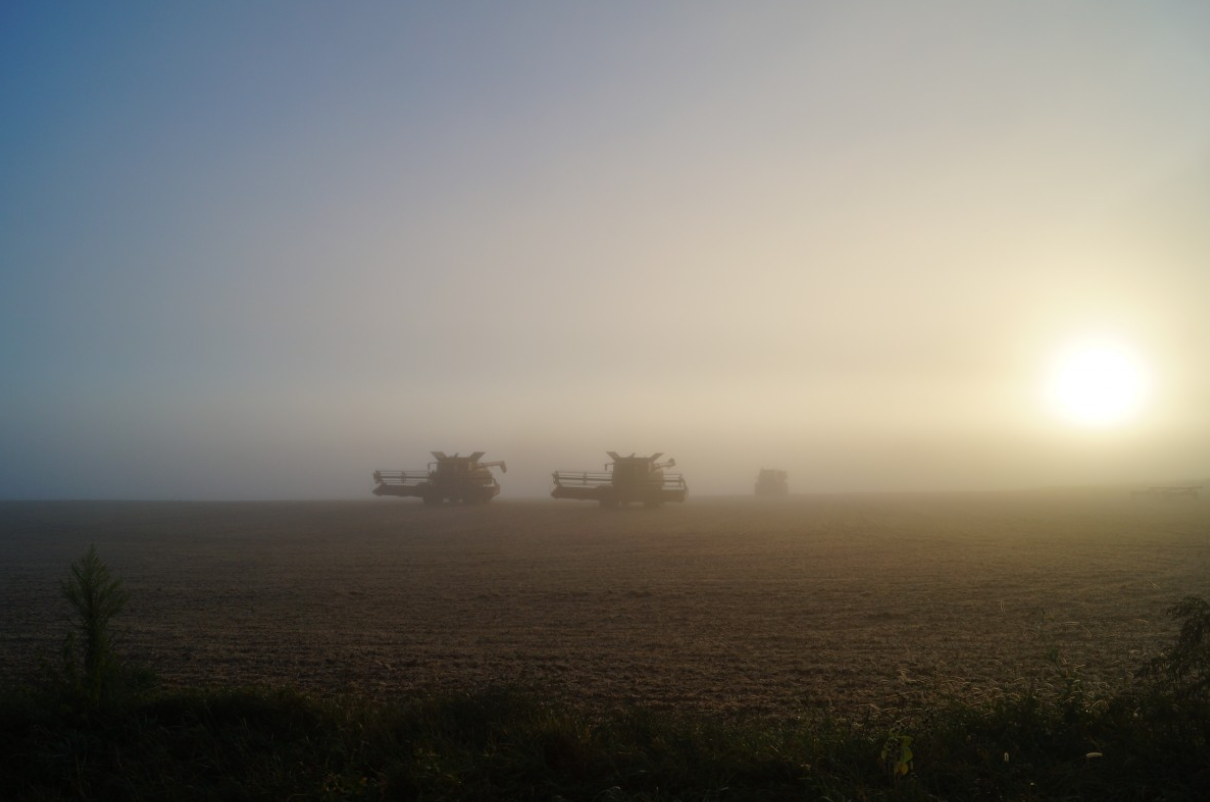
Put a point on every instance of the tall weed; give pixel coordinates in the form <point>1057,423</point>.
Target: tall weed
<point>91,671</point>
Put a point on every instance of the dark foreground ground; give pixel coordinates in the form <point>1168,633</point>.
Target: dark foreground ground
<point>841,603</point>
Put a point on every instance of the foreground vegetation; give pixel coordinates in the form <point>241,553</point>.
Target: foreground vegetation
<point>95,729</point>
<point>278,744</point>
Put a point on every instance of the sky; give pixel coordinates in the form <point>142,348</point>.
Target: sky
<point>257,251</point>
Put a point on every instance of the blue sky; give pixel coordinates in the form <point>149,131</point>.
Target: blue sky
<point>257,251</point>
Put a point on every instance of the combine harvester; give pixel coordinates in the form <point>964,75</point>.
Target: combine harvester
<point>625,480</point>
<point>771,483</point>
<point>458,480</point>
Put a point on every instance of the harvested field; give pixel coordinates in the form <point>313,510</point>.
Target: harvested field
<point>835,602</point>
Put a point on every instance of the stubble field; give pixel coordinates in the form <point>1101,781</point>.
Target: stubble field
<point>844,603</point>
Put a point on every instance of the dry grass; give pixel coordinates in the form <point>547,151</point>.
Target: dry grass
<point>841,602</point>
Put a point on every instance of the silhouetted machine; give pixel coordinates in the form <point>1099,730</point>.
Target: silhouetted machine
<point>770,482</point>
<point>626,479</point>
<point>458,480</point>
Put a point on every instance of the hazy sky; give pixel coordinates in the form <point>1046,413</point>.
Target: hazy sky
<point>257,250</point>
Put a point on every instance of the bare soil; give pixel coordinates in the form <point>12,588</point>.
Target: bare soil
<point>846,603</point>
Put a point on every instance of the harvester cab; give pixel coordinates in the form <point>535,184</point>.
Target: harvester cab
<point>622,481</point>
<point>454,479</point>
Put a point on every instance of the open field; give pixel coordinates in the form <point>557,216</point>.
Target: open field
<point>835,602</point>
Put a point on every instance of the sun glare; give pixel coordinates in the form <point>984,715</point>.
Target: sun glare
<point>1097,384</point>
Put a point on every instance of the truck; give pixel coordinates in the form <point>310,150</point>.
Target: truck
<point>453,479</point>
<point>771,482</point>
<point>624,480</point>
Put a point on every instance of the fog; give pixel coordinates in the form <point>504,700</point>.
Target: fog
<point>258,253</point>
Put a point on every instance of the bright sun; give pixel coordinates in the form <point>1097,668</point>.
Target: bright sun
<point>1097,384</point>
